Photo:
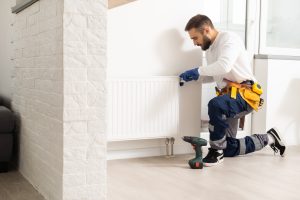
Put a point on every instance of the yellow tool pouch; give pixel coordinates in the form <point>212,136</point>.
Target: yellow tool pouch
<point>252,98</point>
<point>250,93</point>
<point>233,92</point>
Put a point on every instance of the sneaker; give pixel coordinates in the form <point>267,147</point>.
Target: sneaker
<point>213,157</point>
<point>278,144</point>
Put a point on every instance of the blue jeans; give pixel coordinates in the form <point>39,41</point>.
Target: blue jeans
<point>224,112</point>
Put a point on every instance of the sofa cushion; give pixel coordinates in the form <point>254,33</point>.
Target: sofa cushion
<point>6,145</point>
<point>7,120</point>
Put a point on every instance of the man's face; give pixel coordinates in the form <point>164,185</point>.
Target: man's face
<point>200,39</point>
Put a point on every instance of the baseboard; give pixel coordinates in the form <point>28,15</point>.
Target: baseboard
<point>147,152</point>
<point>156,151</point>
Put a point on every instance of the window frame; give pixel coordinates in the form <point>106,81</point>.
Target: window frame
<point>270,50</point>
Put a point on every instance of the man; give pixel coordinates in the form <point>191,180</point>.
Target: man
<point>239,93</point>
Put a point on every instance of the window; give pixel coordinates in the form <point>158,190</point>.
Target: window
<point>279,31</point>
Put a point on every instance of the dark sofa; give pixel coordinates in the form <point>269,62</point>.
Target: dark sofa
<point>7,130</point>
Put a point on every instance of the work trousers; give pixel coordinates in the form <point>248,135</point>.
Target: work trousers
<point>224,113</point>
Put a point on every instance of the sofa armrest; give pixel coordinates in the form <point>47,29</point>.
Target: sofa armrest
<point>7,120</point>
<point>6,147</point>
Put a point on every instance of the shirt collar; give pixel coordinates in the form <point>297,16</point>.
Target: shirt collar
<point>212,46</point>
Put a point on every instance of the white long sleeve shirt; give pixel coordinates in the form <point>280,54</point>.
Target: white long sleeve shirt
<point>227,59</point>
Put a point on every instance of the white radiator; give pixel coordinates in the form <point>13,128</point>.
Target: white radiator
<point>143,108</point>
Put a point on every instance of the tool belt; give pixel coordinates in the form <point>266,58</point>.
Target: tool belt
<point>248,90</point>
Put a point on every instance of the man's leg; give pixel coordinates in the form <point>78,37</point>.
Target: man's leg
<point>255,142</point>
<point>231,131</point>
<point>223,112</point>
<point>245,145</point>
<point>251,143</point>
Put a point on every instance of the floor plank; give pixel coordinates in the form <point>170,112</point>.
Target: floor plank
<point>13,186</point>
<point>260,175</point>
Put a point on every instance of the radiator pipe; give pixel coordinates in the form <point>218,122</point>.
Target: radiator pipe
<point>167,141</point>
<point>172,146</point>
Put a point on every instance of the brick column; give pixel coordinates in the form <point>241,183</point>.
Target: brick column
<point>38,94</point>
<point>60,96</point>
<point>84,61</point>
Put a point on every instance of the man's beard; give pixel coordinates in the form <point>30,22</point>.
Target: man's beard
<point>206,43</point>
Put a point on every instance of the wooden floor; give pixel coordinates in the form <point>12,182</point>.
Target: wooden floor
<point>257,176</point>
<point>13,186</point>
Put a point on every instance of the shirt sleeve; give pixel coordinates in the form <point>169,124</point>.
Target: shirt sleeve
<point>229,53</point>
<point>207,79</point>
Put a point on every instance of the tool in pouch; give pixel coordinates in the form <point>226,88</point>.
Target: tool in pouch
<point>249,91</point>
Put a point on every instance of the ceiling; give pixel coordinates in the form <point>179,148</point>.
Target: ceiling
<point>115,3</point>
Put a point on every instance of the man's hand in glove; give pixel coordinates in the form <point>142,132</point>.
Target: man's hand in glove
<point>189,75</point>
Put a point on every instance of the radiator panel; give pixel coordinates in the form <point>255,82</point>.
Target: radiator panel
<point>143,108</point>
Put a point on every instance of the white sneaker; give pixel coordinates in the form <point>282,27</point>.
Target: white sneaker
<point>278,144</point>
<point>214,157</point>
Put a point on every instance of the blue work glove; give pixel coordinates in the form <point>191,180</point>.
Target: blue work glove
<point>189,75</point>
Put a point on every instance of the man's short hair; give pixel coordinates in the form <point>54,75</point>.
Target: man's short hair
<point>198,21</point>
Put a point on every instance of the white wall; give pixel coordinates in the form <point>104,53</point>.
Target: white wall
<point>281,82</point>
<point>60,96</point>
<point>37,96</point>
<point>147,38</point>
<point>6,50</point>
<point>84,107</point>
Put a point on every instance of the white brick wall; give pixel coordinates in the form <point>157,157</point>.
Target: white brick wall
<point>84,99</point>
<point>60,95</point>
<point>38,94</point>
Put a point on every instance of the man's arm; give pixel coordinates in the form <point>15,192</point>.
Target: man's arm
<point>207,79</point>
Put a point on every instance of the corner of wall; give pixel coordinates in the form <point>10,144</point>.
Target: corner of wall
<point>84,99</point>
<point>259,122</point>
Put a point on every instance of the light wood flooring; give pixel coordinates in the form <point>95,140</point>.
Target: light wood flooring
<point>13,186</point>
<point>256,176</point>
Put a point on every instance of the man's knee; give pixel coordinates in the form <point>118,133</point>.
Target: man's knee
<point>214,106</point>
<point>216,112</point>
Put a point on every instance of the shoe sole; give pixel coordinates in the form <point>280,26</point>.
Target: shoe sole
<point>274,132</point>
<point>213,164</point>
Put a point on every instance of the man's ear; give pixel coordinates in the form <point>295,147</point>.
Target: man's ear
<point>206,29</point>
